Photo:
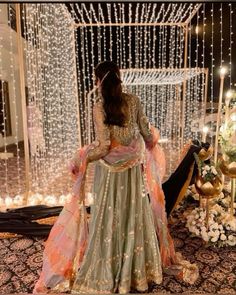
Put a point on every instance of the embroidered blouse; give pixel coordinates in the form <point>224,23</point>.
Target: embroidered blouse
<point>137,123</point>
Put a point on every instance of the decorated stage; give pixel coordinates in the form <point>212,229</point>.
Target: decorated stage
<point>178,59</point>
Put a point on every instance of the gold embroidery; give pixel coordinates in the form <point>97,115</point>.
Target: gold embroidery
<point>139,282</point>
<point>102,142</point>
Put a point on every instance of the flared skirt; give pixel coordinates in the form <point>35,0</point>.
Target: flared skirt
<point>122,251</point>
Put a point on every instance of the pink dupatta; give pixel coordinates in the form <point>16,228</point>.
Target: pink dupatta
<point>67,241</point>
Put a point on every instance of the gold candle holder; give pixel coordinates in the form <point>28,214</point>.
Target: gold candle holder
<point>208,190</point>
<point>229,169</point>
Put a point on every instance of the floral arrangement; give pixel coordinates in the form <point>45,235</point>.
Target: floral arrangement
<point>227,139</point>
<point>207,171</point>
<point>222,226</point>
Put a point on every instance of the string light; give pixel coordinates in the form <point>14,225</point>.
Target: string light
<point>52,98</point>
<point>124,38</point>
<point>148,85</point>
<point>230,45</point>
<point>110,29</point>
<point>160,89</point>
<point>15,111</point>
<point>223,71</point>
<point>5,163</point>
<point>221,36</point>
<point>212,67</point>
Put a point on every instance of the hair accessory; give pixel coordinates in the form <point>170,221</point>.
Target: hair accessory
<point>104,77</point>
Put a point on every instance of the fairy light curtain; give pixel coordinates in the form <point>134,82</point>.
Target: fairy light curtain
<point>161,92</point>
<point>147,41</point>
<point>11,152</point>
<point>52,92</point>
<point>138,36</point>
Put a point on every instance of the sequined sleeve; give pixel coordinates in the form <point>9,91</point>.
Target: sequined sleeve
<point>102,133</point>
<point>143,123</point>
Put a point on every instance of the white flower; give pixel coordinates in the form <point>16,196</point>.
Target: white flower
<point>213,170</point>
<point>214,212</point>
<point>218,208</point>
<point>191,228</point>
<point>205,237</point>
<point>231,237</point>
<point>204,173</point>
<point>207,168</point>
<point>220,222</point>
<point>188,192</point>
<point>201,220</point>
<point>211,234</point>
<point>203,214</point>
<point>197,232</point>
<point>196,197</point>
<point>221,195</point>
<point>203,229</point>
<point>232,242</point>
<point>211,222</point>
<point>223,237</point>
<point>217,232</point>
<point>215,225</point>
<point>214,239</point>
<point>220,227</point>
<point>232,224</point>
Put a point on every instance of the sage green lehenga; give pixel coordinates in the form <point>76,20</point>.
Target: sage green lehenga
<point>122,251</point>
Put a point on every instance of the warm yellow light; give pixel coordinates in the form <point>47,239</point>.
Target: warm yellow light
<point>197,30</point>
<point>223,71</point>
<point>205,129</point>
<point>229,94</point>
<point>163,140</point>
<point>233,117</point>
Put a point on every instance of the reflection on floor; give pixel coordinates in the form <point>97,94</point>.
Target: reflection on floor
<point>12,176</point>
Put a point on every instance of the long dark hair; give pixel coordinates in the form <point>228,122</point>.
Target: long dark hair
<point>109,75</point>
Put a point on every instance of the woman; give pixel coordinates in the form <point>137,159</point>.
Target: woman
<point>128,244</point>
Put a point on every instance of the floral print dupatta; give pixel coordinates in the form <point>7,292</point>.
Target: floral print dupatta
<point>67,241</point>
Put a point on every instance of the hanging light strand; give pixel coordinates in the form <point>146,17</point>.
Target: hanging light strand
<point>230,45</point>
<point>212,66</point>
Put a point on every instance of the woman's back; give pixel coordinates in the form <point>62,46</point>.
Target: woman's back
<point>135,123</point>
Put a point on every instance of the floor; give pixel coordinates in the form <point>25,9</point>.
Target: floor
<point>21,261</point>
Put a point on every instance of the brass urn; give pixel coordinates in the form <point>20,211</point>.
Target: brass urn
<point>208,189</point>
<point>229,169</point>
<point>205,154</point>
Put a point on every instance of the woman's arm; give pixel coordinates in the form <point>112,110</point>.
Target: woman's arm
<point>97,149</point>
<point>144,125</point>
<point>102,133</point>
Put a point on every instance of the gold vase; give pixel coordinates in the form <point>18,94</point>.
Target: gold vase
<point>205,154</point>
<point>229,169</point>
<point>208,190</point>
